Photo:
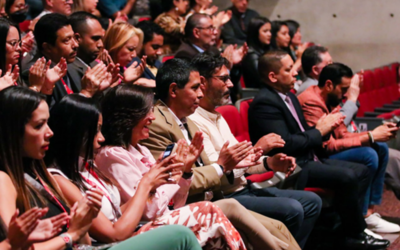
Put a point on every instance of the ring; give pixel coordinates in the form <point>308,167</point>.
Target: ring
<point>170,174</point>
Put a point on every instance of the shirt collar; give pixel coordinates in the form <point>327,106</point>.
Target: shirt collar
<point>176,119</point>
<point>82,62</point>
<point>208,115</point>
<point>198,48</point>
<point>283,96</point>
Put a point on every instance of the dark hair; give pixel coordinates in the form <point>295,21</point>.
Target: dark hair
<point>123,108</point>
<point>46,28</point>
<point>270,61</point>
<point>293,27</point>
<point>311,57</point>
<point>253,33</point>
<point>74,123</point>
<point>193,22</point>
<point>5,25</point>
<point>275,28</point>
<point>207,64</point>
<point>79,19</point>
<point>8,5</point>
<point>149,29</point>
<point>167,5</point>
<point>16,107</point>
<point>172,71</point>
<point>192,3</point>
<point>334,72</point>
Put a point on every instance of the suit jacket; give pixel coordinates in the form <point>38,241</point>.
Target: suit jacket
<point>73,74</point>
<point>314,108</point>
<point>232,32</point>
<point>164,131</point>
<point>268,113</point>
<point>188,51</point>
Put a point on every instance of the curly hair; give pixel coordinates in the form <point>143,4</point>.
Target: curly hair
<point>123,107</point>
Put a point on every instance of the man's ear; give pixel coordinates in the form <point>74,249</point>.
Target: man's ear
<point>46,48</point>
<point>314,70</point>
<point>49,3</point>
<point>329,85</point>
<point>272,77</point>
<point>172,90</point>
<point>196,33</point>
<point>78,37</point>
<point>203,83</point>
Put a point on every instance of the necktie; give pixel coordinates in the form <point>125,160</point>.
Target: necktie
<point>296,117</point>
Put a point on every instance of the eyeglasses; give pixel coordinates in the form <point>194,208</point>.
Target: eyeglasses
<point>224,78</point>
<point>15,43</point>
<point>211,28</point>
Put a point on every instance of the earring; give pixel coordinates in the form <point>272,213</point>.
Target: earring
<point>176,9</point>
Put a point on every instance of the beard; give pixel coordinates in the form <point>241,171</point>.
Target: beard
<point>333,100</point>
<point>220,99</point>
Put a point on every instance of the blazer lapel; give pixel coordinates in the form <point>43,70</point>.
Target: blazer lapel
<point>175,131</point>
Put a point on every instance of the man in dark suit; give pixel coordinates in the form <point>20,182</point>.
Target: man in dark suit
<point>55,40</point>
<point>235,31</point>
<point>200,36</point>
<point>276,110</point>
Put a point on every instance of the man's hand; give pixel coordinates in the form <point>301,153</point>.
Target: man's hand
<point>354,90</point>
<point>230,157</point>
<point>222,18</point>
<point>269,142</point>
<point>327,123</point>
<point>37,73</point>
<point>96,79</point>
<point>27,42</point>
<point>384,132</point>
<point>235,55</point>
<point>54,74</point>
<point>282,163</point>
<point>133,72</point>
<point>252,159</point>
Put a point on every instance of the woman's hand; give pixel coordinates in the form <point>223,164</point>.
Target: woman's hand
<point>37,74</point>
<point>27,42</point>
<point>48,228</point>
<point>159,172</point>
<point>10,77</point>
<point>96,79</point>
<point>104,57</point>
<point>133,72</point>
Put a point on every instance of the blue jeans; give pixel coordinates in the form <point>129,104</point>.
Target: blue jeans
<point>375,158</point>
<point>298,210</point>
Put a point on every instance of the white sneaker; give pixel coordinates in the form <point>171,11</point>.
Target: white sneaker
<point>376,236</point>
<point>379,225</point>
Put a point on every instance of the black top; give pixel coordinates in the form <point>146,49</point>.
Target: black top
<point>250,68</point>
<point>232,32</point>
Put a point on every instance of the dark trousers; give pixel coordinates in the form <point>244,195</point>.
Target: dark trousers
<point>348,180</point>
<point>298,210</point>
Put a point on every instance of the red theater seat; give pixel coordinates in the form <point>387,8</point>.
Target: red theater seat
<point>166,58</point>
<point>243,106</point>
<point>232,117</point>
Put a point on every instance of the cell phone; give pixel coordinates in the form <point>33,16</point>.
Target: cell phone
<point>169,150</point>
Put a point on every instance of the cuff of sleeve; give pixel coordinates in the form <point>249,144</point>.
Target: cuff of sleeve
<point>218,169</point>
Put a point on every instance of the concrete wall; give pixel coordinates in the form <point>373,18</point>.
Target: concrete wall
<point>360,33</point>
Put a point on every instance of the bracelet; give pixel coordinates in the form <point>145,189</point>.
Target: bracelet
<point>67,238</point>
<point>187,175</point>
<point>35,88</point>
<point>265,163</point>
<point>371,138</point>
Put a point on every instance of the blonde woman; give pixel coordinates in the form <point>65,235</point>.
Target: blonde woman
<point>85,5</point>
<point>123,41</point>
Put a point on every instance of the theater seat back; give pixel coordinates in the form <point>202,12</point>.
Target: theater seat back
<point>243,106</point>
<point>232,117</point>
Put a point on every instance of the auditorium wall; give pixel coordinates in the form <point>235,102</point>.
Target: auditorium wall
<point>359,33</point>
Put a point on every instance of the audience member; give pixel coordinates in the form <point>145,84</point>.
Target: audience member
<point>24,141</point>
<point>35,7</point>
<point>178,87</point>
<point>10,49</point>
<point>297,47</point>
<point>76,174</point>
<point>116,8</point>
<point>367,148</point>
<point>16,10</point>
<point>153,41</point>
<point>173,23</point>
<point>122,41</point>
<point>2,9</point>
<point>276,110</point>
<point>298,210</point>
<point>63,7</point>
<point>313,60</point>
<point>235,31</point>
<point>258,39</point>
<point>122,159</point>
<point>202,6</point>
<point>88,6</point>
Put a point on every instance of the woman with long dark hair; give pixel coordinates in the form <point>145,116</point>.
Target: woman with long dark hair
<point>258,40</point>
<point>24,140</point>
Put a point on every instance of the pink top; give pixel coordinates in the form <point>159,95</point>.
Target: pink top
<point>127,167</point>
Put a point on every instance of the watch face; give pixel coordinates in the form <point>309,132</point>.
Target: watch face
<point>66,239</point>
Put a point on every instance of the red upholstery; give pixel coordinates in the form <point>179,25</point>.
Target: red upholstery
<point>386,116</point>
<point>394,67</point>
<point>368,80</point>
<point>232,117</point>
<point>242,83</point>
<point>24,26</point>
<point>166,58</point>
<point>260,177</point>
<point>244,110</point>
<point>365,105</point>
<point>379,78</point>
<point>146,18</point>
<point>320,191</point>
<point>293,91</point>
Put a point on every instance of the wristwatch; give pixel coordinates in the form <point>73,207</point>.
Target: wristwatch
<point>67,239</point>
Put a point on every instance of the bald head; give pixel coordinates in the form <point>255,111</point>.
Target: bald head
<point>195,20</point>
